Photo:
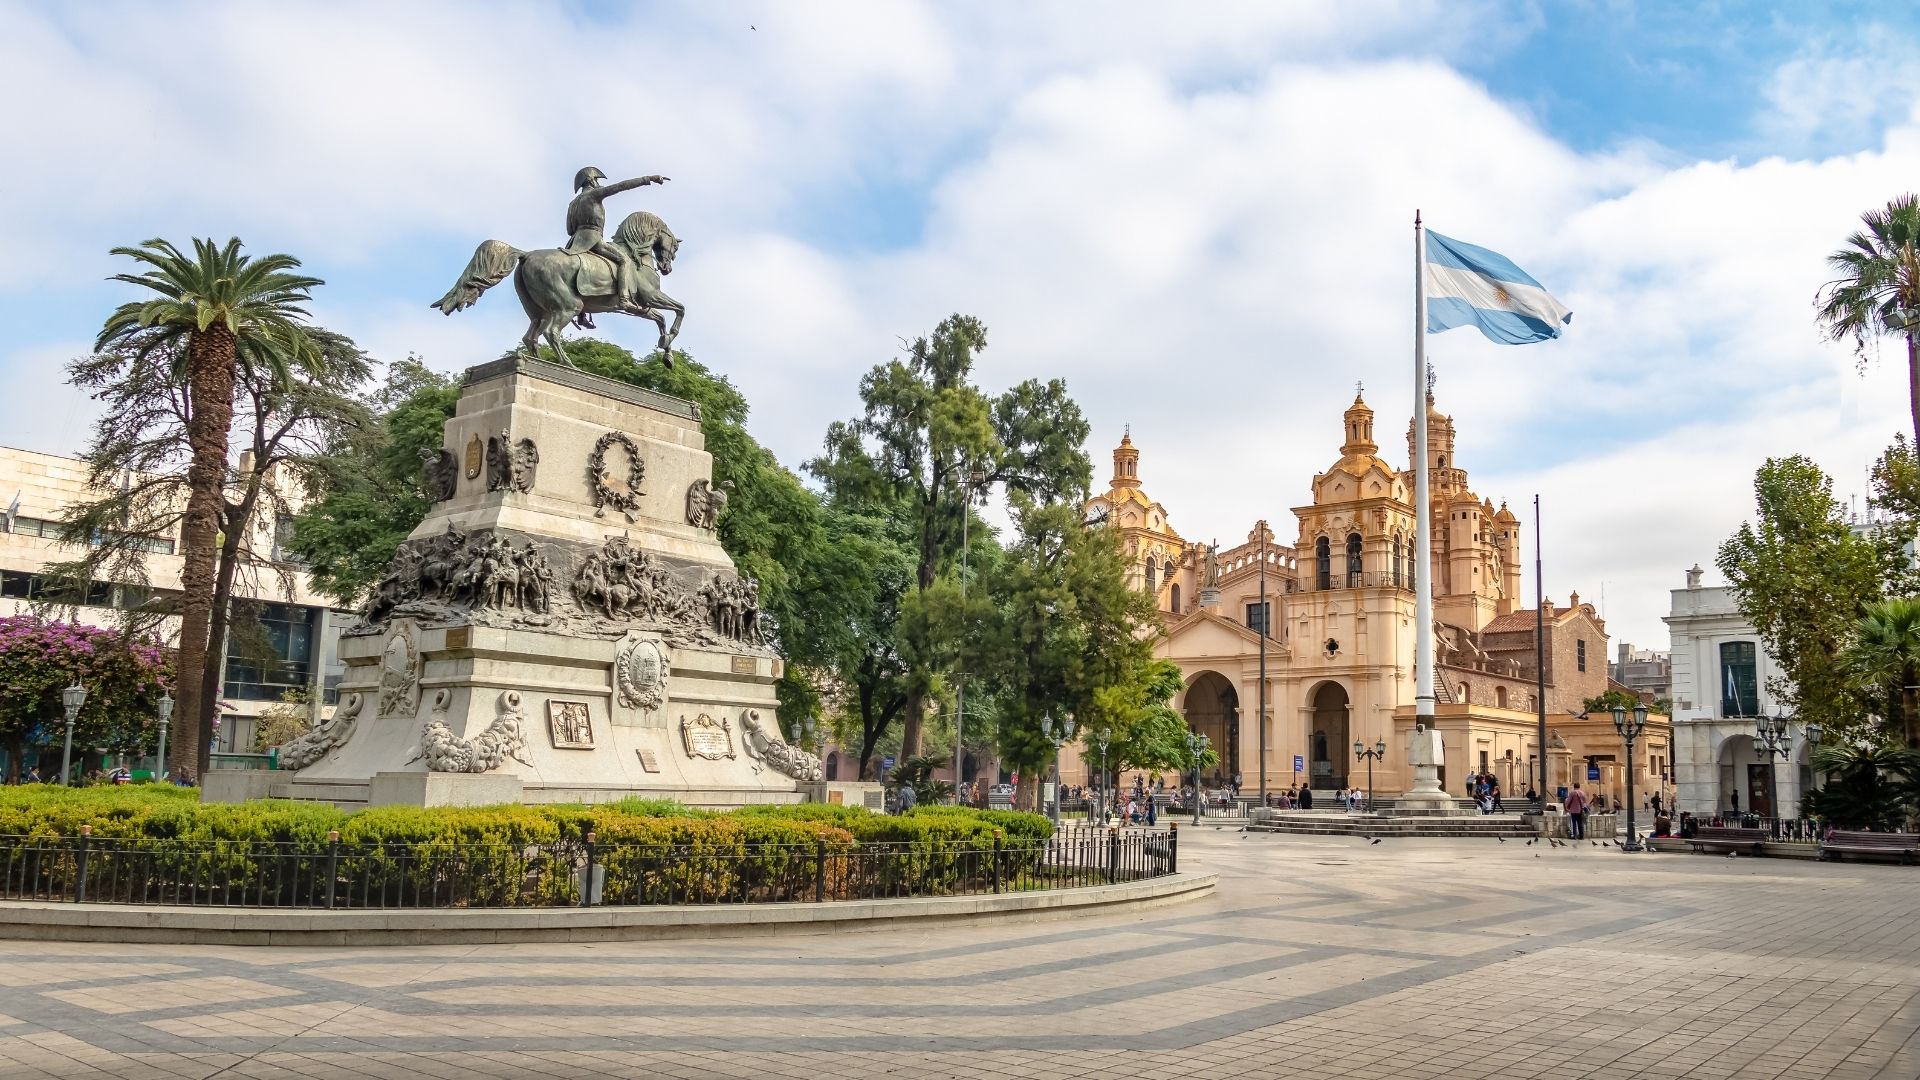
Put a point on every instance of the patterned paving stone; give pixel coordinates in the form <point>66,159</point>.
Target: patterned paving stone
<point>1317,957</point>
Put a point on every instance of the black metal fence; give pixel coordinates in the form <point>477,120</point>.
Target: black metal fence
<point>1797,830</point>
<point>568,873</point>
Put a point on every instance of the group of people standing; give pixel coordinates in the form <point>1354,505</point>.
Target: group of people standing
<point>1484,790</point>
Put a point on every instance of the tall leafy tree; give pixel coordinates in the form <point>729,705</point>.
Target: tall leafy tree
<point>229,309</point>
<point>1068,636</point>
<point>138,476</point>
<point>928,438</point>
<point>1877,291</point>
<point>1884,660</point>
<point>1804,577</point>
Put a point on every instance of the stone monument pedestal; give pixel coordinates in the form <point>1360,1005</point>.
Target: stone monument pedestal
<point>564,625</point>
<point>1426,797</point>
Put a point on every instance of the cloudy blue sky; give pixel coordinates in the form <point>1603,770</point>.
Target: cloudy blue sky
<point>1198,215</point>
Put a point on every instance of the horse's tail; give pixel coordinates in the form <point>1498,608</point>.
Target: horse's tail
<point>492,261</point>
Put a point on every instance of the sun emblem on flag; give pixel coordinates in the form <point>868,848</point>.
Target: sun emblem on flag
<point>1502,295</point>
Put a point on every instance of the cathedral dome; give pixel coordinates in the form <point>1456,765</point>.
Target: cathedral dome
<point>1359,454</point>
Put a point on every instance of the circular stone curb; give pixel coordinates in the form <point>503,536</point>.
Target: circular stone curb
<point>48,921</point>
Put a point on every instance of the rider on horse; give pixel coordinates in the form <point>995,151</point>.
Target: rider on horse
<point>587,225</point>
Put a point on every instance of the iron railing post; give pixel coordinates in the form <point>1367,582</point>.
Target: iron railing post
<point>80,875</point>
<point>586,875</point>
<point>333,864</point>
<point>998,836</point>
<point>1113,854</point>
<point>819,870</point>
<point>1173,848</point>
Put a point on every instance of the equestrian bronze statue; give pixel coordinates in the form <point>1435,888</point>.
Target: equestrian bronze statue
<point>592,273</point>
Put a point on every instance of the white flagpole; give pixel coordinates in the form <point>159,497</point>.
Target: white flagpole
<point>1424,748</point>
<point>1423,525</point>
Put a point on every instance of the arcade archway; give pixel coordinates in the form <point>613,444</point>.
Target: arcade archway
<point>1212,708</point>
<point>1328,754</point>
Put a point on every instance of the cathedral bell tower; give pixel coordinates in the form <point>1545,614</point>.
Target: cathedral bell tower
<point>1126,462</point>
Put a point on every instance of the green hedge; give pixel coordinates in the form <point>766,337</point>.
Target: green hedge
<point>654,851</point>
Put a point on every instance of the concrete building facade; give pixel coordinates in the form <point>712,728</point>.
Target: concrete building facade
<point>301,629</point>
<point>1720,674</point>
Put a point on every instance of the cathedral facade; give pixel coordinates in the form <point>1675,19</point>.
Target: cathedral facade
<point>1331,607</point>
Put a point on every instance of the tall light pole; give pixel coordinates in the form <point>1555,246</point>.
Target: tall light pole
<point>1266,618</point>
<point>1773,740</point>
<point>1379,751</point>
<point>1065,734</point>
<point>1630,730</point>
<point>1196,745</point>
<point>73,697</point>
<point>974,478</point>
<point>164,709</point>
<point>1101,739</point>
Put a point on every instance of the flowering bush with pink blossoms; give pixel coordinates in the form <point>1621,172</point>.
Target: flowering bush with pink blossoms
<point>124,679</point>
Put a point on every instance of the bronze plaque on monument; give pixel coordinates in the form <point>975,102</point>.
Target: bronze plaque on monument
<point>744,665</point>
<point>649,761</point>
<point>473,457</point>
<point>706,737</point>
<point>459,637</point>
<point>571,725</point>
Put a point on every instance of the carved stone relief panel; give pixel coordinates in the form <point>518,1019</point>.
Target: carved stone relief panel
<point>570,723</point>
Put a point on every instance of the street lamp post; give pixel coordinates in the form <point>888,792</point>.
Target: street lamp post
<point>1065,734</point>
<point>164,709</point>
<point>1101,741</point>
<point>1630,730</point>
<point>73,697</point>
<point>1370,756</point>
<point>1196,745</point>
<point>974,478</point>
<point>1773,740</point>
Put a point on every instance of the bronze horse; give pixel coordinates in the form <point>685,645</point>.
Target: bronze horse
<point>555,287</point>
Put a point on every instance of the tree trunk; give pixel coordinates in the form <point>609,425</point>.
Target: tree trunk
<point>210,375</point>
<point>1913,385</point>
<point>1910,707</point>
<point>219,626</point>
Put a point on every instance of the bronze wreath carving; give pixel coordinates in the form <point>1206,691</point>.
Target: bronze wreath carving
<point>604,494</point>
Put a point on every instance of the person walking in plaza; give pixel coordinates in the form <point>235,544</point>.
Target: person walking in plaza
<point>1577,813</point>
<point>1153,816</point>
<point>1306,797</point>
<point>33,775</point>
<point>1494,790</point>
<point>1735,798</point>
<point>1655,803</point>
<point>907,797</point>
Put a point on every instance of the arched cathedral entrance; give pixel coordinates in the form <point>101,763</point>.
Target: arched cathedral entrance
<point>1212,708</point>
<point>1329,738</point>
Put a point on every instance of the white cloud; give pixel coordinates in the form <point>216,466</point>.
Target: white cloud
<point>1201,222</point>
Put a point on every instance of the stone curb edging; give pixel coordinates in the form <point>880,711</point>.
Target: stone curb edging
<point>49,921</point>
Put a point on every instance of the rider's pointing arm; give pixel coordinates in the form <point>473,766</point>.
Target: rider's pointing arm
<point>605,190</point>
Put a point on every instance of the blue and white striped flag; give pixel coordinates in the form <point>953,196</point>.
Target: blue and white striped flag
<point>1471,286</point>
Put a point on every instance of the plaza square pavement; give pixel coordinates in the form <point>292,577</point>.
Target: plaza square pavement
<point>1316,957</point>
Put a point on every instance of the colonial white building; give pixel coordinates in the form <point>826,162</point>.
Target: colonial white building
<point>1720,673</point>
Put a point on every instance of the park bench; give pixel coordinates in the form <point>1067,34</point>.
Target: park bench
<point>1902,845</point>
<point>1721,838</point>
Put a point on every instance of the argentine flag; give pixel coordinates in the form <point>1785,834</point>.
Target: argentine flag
<point>1471,286</point>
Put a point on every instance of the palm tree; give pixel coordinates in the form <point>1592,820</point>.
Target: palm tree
<point>230,309</point>
<point>1878,290</point>
<point>1868,786</point>
<point>1884,658</point>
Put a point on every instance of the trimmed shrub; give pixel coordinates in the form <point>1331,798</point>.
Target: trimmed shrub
<point>652,850</point>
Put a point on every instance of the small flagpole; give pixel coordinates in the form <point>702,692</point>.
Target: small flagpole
<point>1423,525</point>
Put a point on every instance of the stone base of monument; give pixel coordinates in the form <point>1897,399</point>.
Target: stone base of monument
<point>564,625</point>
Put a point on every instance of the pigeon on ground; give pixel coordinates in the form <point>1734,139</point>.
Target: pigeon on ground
<point>1375,840</point>
<point>1595,843</point>
<point>1502,839</point>
<point>1530,843</point>
<point>1733,854</point>
<point>1618,844</point>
